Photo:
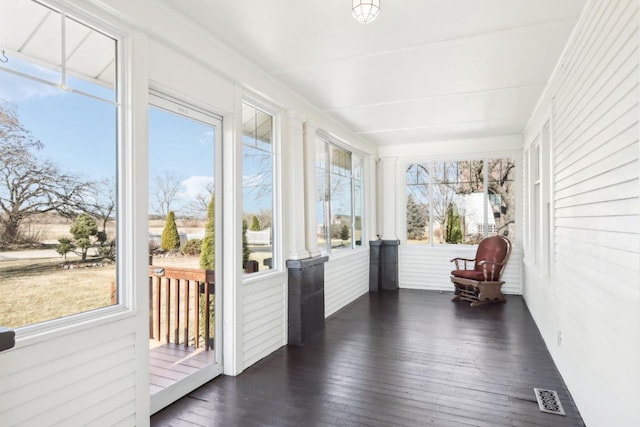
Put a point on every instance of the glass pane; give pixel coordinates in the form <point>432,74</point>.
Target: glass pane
<point>257,191</point>
<point>340,161</point>
<point>502,199</point>
<point>181,224</point>
<point>458,202</point>
<point>264,130</point>
<point>340,227</point>
<point>58,228</point>
<point>417,178</point>
<point>417,173</point>
<point>35,31</point>
<point>91,60</point>
<point>357,206</point>
<point>248,125</point>
<point>357,167</point>
<point>321,154</point>
<point>321,206</point>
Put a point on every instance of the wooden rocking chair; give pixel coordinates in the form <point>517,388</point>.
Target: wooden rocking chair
<point>480,282</point>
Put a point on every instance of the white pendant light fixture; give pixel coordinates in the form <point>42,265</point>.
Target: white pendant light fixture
<point>365,11</point>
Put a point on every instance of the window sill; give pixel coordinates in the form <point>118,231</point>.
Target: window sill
<point>249,279</point>
<point>346,253</point>
<point>53,329</point>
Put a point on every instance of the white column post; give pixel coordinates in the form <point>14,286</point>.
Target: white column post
<point>293,186</point>
<point>371,200</point>
<point>311,220</point>
<point>388,203</point>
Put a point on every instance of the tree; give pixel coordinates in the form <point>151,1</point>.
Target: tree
<point>30,186</point>
<point>64,246</point>
<point>255,224</point>
<point>345,231</point>
<point>191,247</point>
<point>207,251</point>
<point>82,229</point>
<point>453,232</point>
<point>245,245</point>
<point>170,238</point>
<point>208,259</point>
<point>417,217</point>
<point>445,192</point>
<point>164,191</point>
<point>100,201</point>
<point>201,201</point>
<point>265,218</point>
<point>501,183</point>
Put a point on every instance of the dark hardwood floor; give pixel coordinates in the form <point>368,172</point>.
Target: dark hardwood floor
<point>409,358</point>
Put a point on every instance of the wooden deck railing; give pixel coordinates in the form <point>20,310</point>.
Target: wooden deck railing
<point>181,306</point>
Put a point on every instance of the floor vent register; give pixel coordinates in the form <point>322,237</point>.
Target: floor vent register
<point>548,401</point>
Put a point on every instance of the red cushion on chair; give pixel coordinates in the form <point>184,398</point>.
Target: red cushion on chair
<point>468,274</point>
<point>491,249</point>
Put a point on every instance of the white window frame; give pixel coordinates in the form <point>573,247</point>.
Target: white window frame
<point>539,188</point>
<point>539,200</point>
<point>329,142</point>
<point>125,271</point>
<point>485,227</point>
<point>276,214</point>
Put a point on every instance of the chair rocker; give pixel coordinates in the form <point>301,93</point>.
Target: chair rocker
<point>479,279</point>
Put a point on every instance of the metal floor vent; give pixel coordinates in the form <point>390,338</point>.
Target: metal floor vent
<point>548,401</point>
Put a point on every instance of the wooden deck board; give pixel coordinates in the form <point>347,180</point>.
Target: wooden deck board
<point>169,363</point>
<point>409,358</point>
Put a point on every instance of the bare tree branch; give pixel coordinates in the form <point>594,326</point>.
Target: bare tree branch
<point>163,193</point>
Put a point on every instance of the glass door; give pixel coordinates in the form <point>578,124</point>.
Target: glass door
<point>184,272</point>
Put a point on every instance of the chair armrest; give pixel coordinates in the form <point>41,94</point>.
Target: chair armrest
<point>494,273</point>
<point>457,260</point>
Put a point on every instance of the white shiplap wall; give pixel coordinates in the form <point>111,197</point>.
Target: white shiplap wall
<point>264,321</point>
<point>588,309</point>
<point>264,302</point>
<point>429,267</point>
<point>346,277</point>
<point>83,378</point>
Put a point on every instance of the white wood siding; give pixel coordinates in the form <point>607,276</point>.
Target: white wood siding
<point>264,327</point>
<point>84,378</point>
<point>429,267</point>
<point>264,302</point>
<point>587,310</point>
<point>346,277</point>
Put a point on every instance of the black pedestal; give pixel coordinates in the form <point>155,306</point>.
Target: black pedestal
<point>306,298</point>
<point>383,265</point>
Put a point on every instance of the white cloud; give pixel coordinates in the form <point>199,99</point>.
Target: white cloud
<point>207,138</point>
<point>195,186</point>
<point>24,90</point>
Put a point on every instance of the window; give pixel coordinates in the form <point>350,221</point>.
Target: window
<point>58,166</point>
<point>258,164</point>
<point>418,202</point>
<point>540,229</point>
<point>459,201</point>
<point>339,201</point>
<point>535,212</point>
<point>184,257</point>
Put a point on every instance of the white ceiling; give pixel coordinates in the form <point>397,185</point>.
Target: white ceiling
<point>424,70</point>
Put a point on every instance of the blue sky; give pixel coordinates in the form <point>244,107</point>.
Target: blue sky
<point>79,134</point>
<point>66,124</point>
